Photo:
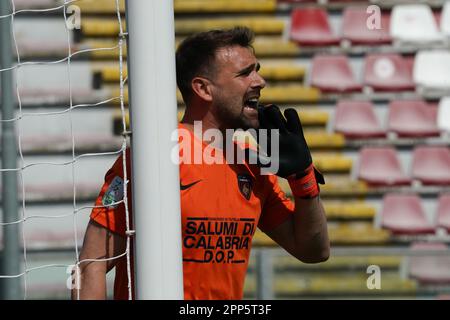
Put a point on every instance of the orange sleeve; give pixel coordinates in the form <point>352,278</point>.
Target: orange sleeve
<point>277,207</point>
<point>109,208</point>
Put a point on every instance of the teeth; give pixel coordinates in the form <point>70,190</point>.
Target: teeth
<point>252,103</point>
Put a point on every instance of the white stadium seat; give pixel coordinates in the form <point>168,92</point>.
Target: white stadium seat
<point>445,19</point>
<point>414,24</point>
<point>443,118</point>
<point>432,70</point>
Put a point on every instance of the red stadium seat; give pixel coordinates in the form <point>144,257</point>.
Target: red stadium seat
<point>443,212</point>
<point>429,268</point>
<point>404,214</point>
<point>354,27</point>
<point>357,119</point>
<point>380,166</point>
<point>388,72</point>
<point>413,118</point>
<point>332,73</point>
<point>431,165</point>
<point>310,26</point>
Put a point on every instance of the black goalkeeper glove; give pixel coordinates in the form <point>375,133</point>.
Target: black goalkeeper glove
<point>295,162</point>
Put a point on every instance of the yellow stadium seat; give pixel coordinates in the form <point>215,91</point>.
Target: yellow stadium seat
<point>275,47</point>
<point>352,284</point>
<point>349,210</point>
<point>312,117</point>
<point>338,262</point>
<point>208,6</point>
<point>324,140</point>
<point>332,162</point>
<point>357,233</point>
<point>109,27</point>
<point>269,71</point>
<point>335,187</point>
<point>259,25</point>
<point>260,239</point>
<point>277,94</point>
<point>264,47</point>
<point>289,94</point>
<point>101,27</point>
<point>100,6</point>
<point>344,187</point>
<point>282,71</point>
<point>185,6</point>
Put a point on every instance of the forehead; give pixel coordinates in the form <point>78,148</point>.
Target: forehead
<point>235,57</point>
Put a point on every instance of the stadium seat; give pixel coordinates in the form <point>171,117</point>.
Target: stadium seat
<point>100,6</point>
<point>357,119</point>
<point>431,165</point>
<point>332,162</point>
<point>413,118</point>
<point>310,26</point>
<point>445,19</point>
<point>332,73</point>
<point>414,23</point>
<point>349,210</point>
<point>109,27</point>
<point>404,214</point>
<point>388,72</point>
<point>354,27</point>
<point>443,212</point>
<point>432,70</point>
<point>429,268</point>
<point>353,233</point>
<point>224,6</point>
<point>274,94</point>
<point>33,4</point>
<point>278,71</point>
<point>380,166</point>
<point>40,37</point>
<point>260,25</point>
<point>54,87</point>
<point>443,117</point>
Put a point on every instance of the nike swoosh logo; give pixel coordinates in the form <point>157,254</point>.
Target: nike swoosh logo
<point>187,186</point>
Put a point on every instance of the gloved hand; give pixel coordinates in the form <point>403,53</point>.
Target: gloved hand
<point>295,162</point>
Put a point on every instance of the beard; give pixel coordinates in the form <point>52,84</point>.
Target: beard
<point>231,119</point>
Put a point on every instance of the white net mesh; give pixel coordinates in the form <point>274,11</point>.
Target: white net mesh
<point>64,136</point>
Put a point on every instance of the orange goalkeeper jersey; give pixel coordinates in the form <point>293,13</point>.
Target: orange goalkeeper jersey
<point>221,207</point>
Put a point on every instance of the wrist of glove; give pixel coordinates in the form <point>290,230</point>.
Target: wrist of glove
<point>293,155</point>
<point>306,186</point>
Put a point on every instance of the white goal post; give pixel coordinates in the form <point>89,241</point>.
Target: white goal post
<point>153,112</point>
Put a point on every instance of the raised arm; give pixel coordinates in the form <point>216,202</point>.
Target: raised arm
<point>99,243</point>
<point>305,233</point>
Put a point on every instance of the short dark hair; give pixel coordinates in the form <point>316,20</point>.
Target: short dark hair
<point>195,55</point>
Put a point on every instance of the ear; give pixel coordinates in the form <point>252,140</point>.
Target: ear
<point>202,88</point>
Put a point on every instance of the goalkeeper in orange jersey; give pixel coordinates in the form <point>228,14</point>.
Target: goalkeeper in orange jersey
<point>222,204</point>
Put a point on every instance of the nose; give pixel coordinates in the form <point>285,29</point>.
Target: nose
<point>258,81</point>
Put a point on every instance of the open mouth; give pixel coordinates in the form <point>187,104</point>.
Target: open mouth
<point>251,103</point>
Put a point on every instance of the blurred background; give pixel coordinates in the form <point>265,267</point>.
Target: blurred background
<point>370,80</point>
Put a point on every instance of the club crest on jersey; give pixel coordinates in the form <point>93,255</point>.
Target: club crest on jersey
<point>245,184</point>
<point>114,193</point>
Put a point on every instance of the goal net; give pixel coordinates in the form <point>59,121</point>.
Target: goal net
<point>63,143</point>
